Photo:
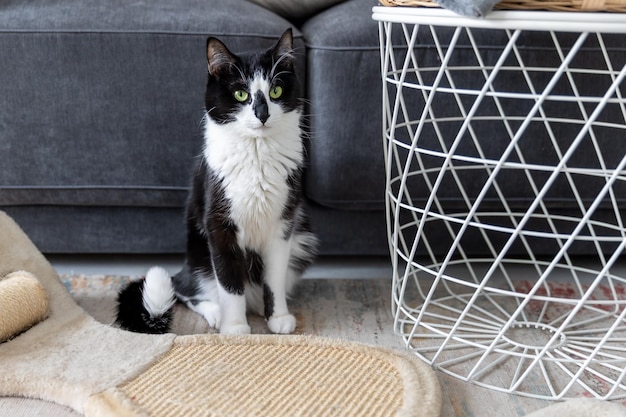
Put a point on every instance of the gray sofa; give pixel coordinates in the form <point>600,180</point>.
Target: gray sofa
<point>101,106</point>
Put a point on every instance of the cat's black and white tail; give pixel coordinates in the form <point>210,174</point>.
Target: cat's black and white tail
<point>146,305</point>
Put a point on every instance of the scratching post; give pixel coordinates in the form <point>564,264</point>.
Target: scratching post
<point>23,303</point>
<point>102,371</point>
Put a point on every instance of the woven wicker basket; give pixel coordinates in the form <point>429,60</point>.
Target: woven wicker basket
<point>617,6</point>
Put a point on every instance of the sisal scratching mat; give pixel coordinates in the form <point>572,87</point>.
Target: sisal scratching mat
<point>54,351</point>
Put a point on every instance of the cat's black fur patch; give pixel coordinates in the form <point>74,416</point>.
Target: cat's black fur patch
<point>268,301</point>
<point>133,316</point>
<point>260,107</point>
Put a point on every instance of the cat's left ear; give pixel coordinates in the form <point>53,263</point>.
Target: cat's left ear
<point>283,51</point>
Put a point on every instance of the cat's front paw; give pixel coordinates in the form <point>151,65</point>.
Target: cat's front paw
<point>235,329</point>
<point>282,324</point>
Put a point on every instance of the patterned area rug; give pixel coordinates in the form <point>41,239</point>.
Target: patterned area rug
<point>351,309</point>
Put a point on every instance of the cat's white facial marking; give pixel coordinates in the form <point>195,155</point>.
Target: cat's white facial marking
<point>249,121</point>
<point>254,161</point>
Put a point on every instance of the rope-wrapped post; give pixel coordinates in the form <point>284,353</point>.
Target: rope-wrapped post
<point>23,303</point>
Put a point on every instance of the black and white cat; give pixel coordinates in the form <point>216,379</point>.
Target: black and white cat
<point>248,235</point>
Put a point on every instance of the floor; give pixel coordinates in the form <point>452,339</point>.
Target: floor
<point>131,265</point>
<point>354,307</point>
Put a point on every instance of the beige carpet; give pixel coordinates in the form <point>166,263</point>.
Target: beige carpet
<point>71,359</point>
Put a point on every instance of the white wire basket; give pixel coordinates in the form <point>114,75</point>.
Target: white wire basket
<point>506,194</point>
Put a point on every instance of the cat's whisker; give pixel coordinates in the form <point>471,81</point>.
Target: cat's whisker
<point>205,117</point>
<point>280,59</point>
<point>308,117</point>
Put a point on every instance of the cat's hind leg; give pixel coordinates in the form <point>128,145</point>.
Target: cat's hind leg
<point>198,290</point>
<point>209,310</point>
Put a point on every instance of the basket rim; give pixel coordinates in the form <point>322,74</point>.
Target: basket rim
<point>612,6</point>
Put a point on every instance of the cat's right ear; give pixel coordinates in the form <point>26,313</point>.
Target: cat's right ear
<point>219,58</point>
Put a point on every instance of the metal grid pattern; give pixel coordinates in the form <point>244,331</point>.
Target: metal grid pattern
<point>485,221</point>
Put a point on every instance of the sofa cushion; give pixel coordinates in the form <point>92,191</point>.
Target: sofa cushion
<point>296,9</point>
<point>118,91</point>
<point>344,84</point>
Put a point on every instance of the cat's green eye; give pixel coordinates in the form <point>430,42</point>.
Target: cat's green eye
<point>241,95</point>
<point>276,92</point>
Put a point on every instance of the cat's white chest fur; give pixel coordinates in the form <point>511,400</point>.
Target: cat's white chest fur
<point>254,167</point>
